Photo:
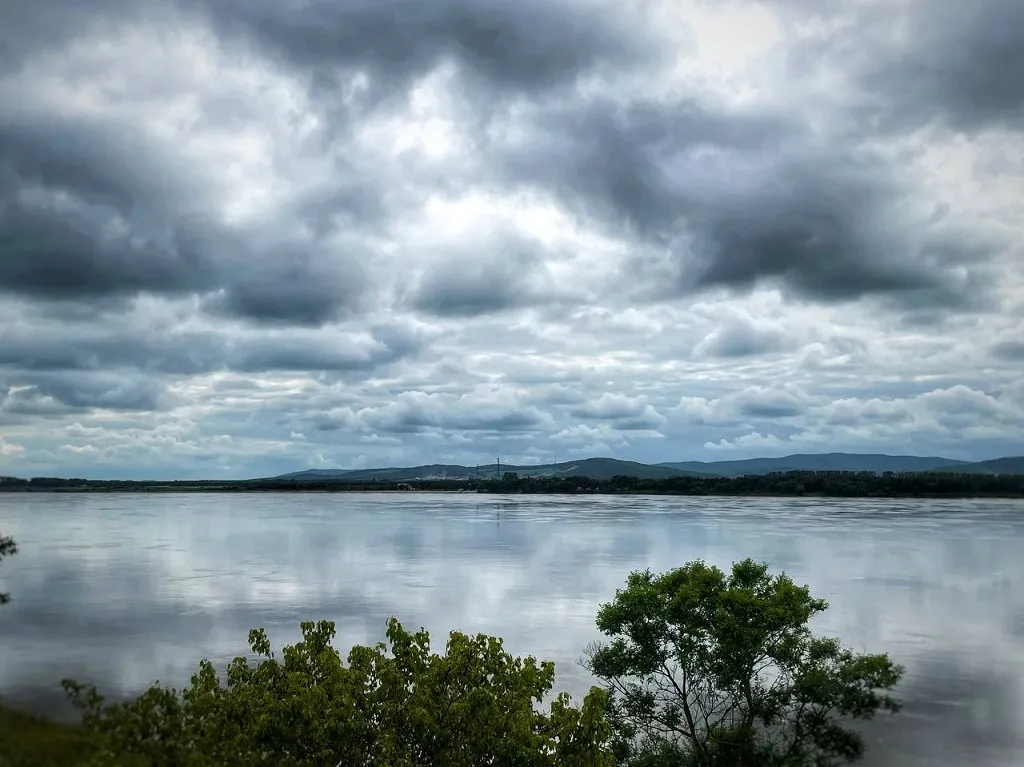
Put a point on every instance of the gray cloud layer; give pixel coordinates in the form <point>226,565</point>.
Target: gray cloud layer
<point>251,236</point>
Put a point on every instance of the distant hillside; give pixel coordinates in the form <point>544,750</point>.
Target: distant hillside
<point>593,468</point>
<point>602,468</point>
<point>606,468</point>
<point>316,473</point>
<point>819,462</point>
<point>1009,465</point>
<point>390,473</point>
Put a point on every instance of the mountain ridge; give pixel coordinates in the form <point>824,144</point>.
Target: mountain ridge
<point>1011,464</point>
<point>595,468</point>
<point>876,462</point>
<point>605,468</point>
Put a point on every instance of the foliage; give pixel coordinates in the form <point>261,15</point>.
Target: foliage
<point>7,548</point>
<point>401,706</point>
<point>840,484</point>
<point>709,669</point>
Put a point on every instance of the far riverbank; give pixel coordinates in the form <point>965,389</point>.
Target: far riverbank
<point>795,484</point>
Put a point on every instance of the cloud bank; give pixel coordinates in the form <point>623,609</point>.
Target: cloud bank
<point>243,238</point>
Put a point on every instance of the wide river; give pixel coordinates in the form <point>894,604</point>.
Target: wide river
<point>127,589</point>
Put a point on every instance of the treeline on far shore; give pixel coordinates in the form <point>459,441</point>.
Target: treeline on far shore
<point>846,484</point>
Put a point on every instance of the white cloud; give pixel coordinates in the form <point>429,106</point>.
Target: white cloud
<point>8,449</point>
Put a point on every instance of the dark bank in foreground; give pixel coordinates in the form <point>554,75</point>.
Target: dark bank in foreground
<point>699,668</point>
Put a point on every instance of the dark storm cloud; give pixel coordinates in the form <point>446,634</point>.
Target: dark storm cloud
<point>919,63</point>
<point>818,226</point>
<point>26,350</point>
<point>415,420</point>
<point>97,161</point>
<point>89,210</point>
<point>504,272</point>
<point>177,353</point>
<point>467,299</point>
<point>412,412</point>
<point>742,200</point>
<point>292,287</point>
<point>770,403</point>
<point>766,207</point>
<point>17,403</point>
<point>28,28</point>
<point>80,390</point>
<point>473,289</point>
<point>962,65</point>
<point>326,353</point>
<point>521,46</point>
<point>613,162</point>
<point>62,255</point>
<point>289,288</point>
<point>621,412</point>
<point>1008,350</point>
<point>770,410</point>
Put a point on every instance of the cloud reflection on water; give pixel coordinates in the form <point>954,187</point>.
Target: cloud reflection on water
<point>127,589</point>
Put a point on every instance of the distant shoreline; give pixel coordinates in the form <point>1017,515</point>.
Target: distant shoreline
<point>781,485</point>
<point>243,491</point>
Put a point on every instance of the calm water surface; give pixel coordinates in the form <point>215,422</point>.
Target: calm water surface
<point>127,589</point>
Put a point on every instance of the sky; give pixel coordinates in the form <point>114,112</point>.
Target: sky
<point>246,237</point>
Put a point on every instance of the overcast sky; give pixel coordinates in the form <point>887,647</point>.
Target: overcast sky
<point>243,237</point>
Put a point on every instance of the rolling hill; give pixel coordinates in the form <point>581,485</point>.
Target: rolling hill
<point>390,473</point>
<point>606,468</point>
<point>594,468</point>
<point>316,474</point>
<point>820,462</point>
<point>603,468</point>
<point>1008,465</point>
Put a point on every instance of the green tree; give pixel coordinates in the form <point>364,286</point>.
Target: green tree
<point>7,548</point>
<point>710,669</point>
<point>402,706</point>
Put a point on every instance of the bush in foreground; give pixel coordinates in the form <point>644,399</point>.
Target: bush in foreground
<point>472,706</point>
<point>708,669</point>
<point>703,669</point>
